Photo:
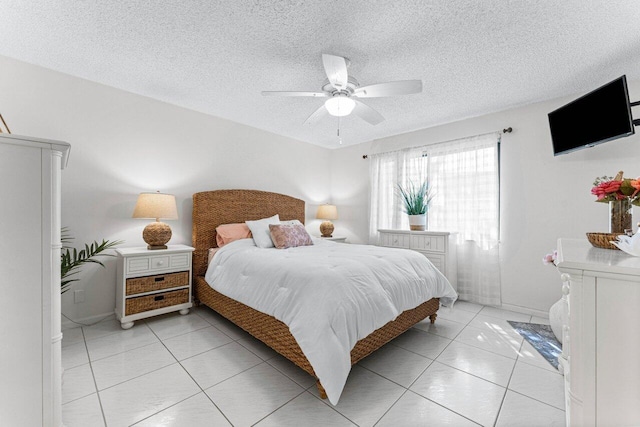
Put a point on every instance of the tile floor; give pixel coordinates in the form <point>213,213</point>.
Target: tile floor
<point>470,368</point>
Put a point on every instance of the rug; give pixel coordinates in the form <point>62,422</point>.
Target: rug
<point>541,337</point>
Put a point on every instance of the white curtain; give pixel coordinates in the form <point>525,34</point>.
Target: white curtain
<point>464,178</point>
<point>386,171</point>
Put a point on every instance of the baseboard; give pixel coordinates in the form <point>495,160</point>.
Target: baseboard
<point>84,321</point>
<point>526,310</point>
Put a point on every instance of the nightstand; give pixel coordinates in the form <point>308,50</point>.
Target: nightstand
<point>152,282</point>
<point>336,239</point>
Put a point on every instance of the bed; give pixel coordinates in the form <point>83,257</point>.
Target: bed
<point>214,208</point>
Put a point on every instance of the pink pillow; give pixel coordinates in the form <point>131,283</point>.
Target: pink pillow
<point>227,233</point>
<point>289,236</point>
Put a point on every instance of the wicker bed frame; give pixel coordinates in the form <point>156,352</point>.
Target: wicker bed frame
<point>213,208</point>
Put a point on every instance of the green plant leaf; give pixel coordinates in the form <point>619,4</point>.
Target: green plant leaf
<point>416,199</point>
<point>71,260</point>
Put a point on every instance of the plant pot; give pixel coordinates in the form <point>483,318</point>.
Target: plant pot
<point>418,222</point>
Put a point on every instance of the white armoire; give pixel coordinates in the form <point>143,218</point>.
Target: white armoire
<point>30,336</point>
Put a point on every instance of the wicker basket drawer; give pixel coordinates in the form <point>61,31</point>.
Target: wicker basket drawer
<point>140,285</point>
<point>152,302</point>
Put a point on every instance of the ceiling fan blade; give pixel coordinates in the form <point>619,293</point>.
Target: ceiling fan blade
<point>402,87</point>
<point>285,93</point>
<point>367,113</point>
<point>317,115</point>
<point>336,69</point>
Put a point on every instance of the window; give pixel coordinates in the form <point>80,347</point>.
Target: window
<point>464,180</point>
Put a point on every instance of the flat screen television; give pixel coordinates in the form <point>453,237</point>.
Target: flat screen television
<point>599,116</point>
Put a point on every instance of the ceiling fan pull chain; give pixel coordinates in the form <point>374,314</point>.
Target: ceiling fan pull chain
<point>339,124</point>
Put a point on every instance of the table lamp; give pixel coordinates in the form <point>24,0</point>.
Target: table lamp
<point>156,206</point>
<point>327,212</point>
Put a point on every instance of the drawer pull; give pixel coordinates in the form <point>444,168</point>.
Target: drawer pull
<point>158,298</point>
<point>159,279</point>
<point>160,262</point>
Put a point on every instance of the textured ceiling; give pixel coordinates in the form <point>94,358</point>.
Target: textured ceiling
<point>473,57</point>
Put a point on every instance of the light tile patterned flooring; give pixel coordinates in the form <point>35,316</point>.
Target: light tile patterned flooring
<point>470,368</point>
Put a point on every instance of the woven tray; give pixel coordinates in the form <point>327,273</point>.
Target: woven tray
<point>601,240</point>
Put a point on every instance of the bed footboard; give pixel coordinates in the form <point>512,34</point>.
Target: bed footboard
<point>276,334</point>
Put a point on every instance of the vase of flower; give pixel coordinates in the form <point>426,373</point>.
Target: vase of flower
<point>619,216</point>
<point>620,193</point>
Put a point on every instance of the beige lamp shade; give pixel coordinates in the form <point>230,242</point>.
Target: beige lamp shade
<point>157,206</point>
<point>327,212</point>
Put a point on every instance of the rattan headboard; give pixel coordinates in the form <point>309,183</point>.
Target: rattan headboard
<point>213,208</point>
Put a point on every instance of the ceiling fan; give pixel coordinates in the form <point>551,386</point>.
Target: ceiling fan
<point>341,89</point>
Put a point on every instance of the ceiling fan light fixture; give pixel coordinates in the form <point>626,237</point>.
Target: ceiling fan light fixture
<point>340,106</point>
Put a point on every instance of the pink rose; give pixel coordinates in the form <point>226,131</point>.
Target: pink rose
<point>605,188</point>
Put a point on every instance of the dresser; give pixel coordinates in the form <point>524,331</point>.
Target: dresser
<point>30,354</point>
<point>438,246</point>
<point>601,343</point>
<point>152,282</point>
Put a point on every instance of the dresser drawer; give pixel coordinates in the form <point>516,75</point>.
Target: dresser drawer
<point>428,243</point>
<point>162,262</point>
<point>437,260</point>
<point>155,301</point>
<point>140,285</point>
<point>395,240</point>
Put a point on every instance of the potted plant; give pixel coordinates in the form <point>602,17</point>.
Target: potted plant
<point>71,259</point>
<point>416,201</point>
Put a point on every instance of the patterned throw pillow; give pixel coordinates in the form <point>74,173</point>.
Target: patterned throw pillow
<point>289,236</point>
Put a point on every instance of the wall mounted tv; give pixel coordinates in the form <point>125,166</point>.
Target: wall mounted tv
<point>599,116</point>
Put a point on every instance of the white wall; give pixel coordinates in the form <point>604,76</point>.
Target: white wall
<point>542,197</point>
<point>124,144</point>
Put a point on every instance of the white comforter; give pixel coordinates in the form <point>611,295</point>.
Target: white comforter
<point>330,294</point>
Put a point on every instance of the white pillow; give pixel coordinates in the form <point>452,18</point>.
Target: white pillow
<point>291,222</point>
<point>260,231</point>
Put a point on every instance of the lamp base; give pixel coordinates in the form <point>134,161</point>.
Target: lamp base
<point>156,235</point>
<point>153,248</point>
<point>326,228</point>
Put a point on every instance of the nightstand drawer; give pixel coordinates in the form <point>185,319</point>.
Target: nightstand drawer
<point>155,301</point>
<point>180,260</point>
<point>143,264</point>
<point>140,285</point>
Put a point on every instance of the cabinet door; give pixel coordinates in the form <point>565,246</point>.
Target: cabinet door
<point>582,332</point>
<point>21,306</point>
<point>618,357</point>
